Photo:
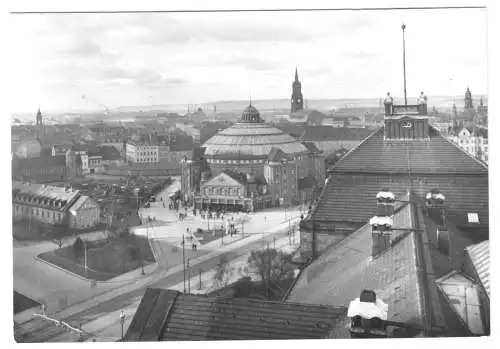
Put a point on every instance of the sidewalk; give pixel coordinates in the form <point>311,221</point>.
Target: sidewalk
<point>156,276</point>
<point>108,328</point>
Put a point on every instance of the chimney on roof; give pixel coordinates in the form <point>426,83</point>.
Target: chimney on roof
<point>435,204</point>
<point>382,222</point>
<point>368,313</point>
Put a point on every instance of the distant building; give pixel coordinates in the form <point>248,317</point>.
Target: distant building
<point>28,148</point>
<point>95,162</point>
<point>297,102</point>
<point>141,153</point>
<point>331,122</point>
<point>474,140</point>
<point>251,165</point>
<point>53,205</point>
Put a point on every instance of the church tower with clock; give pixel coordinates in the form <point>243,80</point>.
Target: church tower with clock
<point>297,99</point>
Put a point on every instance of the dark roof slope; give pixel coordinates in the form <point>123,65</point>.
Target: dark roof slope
<point>308,182</point>
<point>350,197</point>
<point>342,272</point>
<point>312,147</point>
<point>327,133</point>
<point>437,155</point>
<point>109,152</point>
<point>198,153</point>
<point>167,315</point>
<point>182,143</point>
<point>277,154</point>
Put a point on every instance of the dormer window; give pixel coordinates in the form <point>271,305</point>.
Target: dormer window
<point>473,218</point>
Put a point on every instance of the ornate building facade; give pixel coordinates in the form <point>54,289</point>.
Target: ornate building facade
<point>251,165</point>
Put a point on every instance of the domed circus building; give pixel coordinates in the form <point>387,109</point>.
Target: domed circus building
<point>252,165</point>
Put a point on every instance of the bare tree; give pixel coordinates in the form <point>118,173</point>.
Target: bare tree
<point>223,273</point>
<point>272,266</point>
<point>59,241</point>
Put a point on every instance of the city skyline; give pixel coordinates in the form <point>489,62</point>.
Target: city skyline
<point>190,58</point>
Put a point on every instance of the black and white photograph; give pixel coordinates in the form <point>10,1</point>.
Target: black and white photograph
<point>224,173</point>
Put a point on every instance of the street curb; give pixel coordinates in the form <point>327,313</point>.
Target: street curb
<point>36,258</point>
<point>139,283</point>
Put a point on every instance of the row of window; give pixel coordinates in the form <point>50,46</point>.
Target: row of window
<point>38,212</point>
<point>235,162</point>
<point>223,191</point>
<point>147,160</point>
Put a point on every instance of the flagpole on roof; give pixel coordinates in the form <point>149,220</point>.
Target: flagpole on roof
<point>403,26</point>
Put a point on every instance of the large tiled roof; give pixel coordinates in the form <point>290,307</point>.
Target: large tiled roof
<point>350,197</point>
<point>436,155</point>
<point>327,133</point>
<point>43,192</point>
<point>342,272</point>
<point>252,139</point>
<point>167,315</point>
<point>479,255</point>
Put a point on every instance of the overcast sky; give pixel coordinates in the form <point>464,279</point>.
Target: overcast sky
<point>143,59</point>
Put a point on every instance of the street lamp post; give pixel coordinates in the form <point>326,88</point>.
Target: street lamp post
<point>122,321</point>
<point>184,262</point>
<point>85,258</point>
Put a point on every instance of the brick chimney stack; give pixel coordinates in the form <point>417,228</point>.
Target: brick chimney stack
<point>435,204</point>
<point>382,222</point>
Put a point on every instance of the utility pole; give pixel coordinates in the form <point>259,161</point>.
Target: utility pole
<point>313,241</point>
<point>85,258</point>
<point>188,277</point>
<point>403,26</point>
<point>183,263</point>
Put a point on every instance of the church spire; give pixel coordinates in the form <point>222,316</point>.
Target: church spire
<point>297,102</point>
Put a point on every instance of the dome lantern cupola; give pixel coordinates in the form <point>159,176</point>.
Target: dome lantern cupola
<point>250,114</point>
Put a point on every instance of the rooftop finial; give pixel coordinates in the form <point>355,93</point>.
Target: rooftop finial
<point>296,74</point>
<point>250,99</point>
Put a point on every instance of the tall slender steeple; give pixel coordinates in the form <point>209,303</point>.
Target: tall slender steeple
<point>297,102</point>
<point>39,118</point>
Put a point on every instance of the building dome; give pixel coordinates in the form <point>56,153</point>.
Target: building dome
<point>250,138</point>
<point>250,114</point>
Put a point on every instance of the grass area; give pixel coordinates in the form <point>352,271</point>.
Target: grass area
<point>106,259</point>
<point>22,303</point>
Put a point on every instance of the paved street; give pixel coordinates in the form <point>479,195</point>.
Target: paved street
<point>121,294</point>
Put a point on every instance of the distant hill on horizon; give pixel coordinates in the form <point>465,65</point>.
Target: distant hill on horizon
<point>278,105</point>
